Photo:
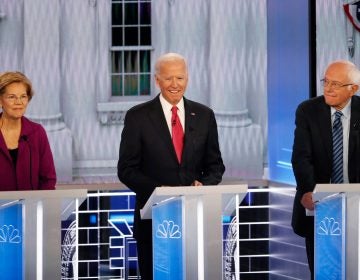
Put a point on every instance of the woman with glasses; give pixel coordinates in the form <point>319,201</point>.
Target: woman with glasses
<point>26,161</point>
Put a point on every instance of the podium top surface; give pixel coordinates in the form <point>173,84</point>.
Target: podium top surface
<point>323,190</point>
<point>43,194</point>
<point>203,190</point>
<point>163,193</point>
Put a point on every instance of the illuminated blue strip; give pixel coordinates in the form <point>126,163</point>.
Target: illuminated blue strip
<point>129,218</point>
<point>284,164</point>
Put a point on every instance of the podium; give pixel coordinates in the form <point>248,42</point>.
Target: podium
<point>337,231</point>
<point>187,229</point>
<point>30,232</point>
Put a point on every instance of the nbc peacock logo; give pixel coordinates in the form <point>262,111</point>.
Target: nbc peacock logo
<point>9,234</point>
<point>168,229</point>
<point>328,226</point>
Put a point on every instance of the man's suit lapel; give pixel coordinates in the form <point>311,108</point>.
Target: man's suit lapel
<point>354,140</point>
<point>158,122</point>
<point>324,125</point>
<point>355,115</point>
<point>190,130</point>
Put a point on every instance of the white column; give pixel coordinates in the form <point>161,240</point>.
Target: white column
<point>186,32</point>
<point>230,66</point>
<point>41,60</point>
<point>227,59</point>
<point>42,66</point>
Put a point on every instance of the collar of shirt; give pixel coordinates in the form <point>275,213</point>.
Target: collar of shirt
<point>166,106</point>
<point>346,111</point>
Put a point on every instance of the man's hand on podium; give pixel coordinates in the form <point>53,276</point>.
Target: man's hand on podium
<point>307,201</point>
<point>196,183</point>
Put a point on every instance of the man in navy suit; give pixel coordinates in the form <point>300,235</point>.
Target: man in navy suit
<point>312,157</point>
<point>147,157</point>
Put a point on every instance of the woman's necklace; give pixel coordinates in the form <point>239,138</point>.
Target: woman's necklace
<point>11,136</point>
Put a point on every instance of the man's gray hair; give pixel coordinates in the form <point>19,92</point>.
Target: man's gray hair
<point>353,72</point>
<point>354,75</point>
<point>168,57</point>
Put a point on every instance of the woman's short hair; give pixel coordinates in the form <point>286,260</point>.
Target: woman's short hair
<point>8,78</point>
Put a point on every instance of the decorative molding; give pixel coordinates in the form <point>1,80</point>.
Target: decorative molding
<point>94,163</point>
<point>113,113</point>
<point>2,15</point>
<point>110,118</point>
<point>105,169</point>
<point>51,123</point>
<point>92,3</point>
<point>233,118</point>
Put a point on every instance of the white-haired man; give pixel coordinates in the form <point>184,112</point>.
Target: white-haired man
<point>326,144</point>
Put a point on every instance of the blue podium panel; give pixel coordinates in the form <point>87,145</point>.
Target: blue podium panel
<point>330,238</point>
<point>11,253</point>
<point>168,248</point>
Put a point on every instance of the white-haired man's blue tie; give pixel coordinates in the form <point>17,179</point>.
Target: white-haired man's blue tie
<point>337,176</point>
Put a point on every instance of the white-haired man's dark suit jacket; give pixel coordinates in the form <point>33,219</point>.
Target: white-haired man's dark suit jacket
<point>312,152</point>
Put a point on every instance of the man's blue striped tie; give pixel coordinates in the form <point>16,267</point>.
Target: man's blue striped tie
<point>337,135</point>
